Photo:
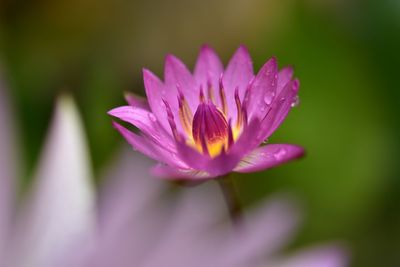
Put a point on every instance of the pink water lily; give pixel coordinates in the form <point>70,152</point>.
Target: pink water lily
<point>211,122</point>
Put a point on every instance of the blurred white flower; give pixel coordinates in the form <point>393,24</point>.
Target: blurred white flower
<point>135,220</point>
<point>59,209</point>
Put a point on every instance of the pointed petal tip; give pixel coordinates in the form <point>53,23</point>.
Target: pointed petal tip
<point>145,71</point>
<point>149,74</point>
<point>273,60</point>
<point>112,112</point>
<point>206,47</point>
<point>115,124</point>
<point>126,94</point>
<point>116,112</point>
<point>289,68</point>
<point>243,52</point>
<point>171,59</point>
<point>301,152</point>
<point>243,48</point>
<point>271,64</point>
<point>65,101</point>
<point>287,72</point>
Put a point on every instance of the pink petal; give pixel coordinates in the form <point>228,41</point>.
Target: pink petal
<point>157,92</point>
<point>238,73</point>
<point>149,148</point>
<point>279,110</point>
<point>263,89</point>
<point>191,237</point>
<point>127,190</point>
<point>284,76</point>
<point>269,156</point>
<point>264,231</point>
<point>177,74</point>
<point>137,101</point>
<point>146,122</point>
<point>60,208</point>
<point>208,68</point>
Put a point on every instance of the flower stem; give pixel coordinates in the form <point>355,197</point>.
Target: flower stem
<point>231,198</point>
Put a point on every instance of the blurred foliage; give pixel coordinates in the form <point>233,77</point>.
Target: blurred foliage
<point>344,52</point>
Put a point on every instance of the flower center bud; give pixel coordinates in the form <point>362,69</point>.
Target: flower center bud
<point>210,129</point>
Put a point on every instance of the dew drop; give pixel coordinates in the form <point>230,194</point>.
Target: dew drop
<point>269,96</point>
<point>152,117</point>
<point>280,153</point>
<point>296,101</point>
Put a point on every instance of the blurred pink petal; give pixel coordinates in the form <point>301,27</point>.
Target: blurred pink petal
<point>143,226</point>
<point>59,210</point>
<point>263,232</point>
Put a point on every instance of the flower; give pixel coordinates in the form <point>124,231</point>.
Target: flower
<point>212,122</point>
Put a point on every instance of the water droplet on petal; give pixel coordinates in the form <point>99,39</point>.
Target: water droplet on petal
<point>152,117</point>
<point>269,97</point>
<point>280,153</point>
<point>296,101</point>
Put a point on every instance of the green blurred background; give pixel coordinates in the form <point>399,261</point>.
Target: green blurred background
<point>346,54</point>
